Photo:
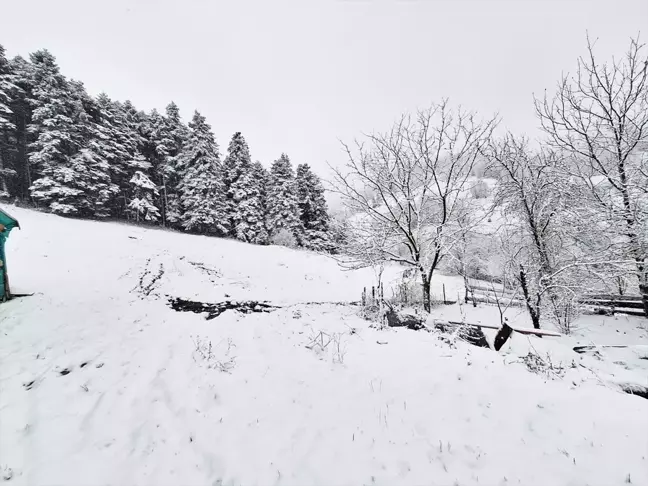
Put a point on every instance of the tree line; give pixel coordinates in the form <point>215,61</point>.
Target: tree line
<point>569,214</point>
<point>92,157</point>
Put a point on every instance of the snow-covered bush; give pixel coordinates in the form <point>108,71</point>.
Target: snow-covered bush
<point>284,238</point>
<point>142,206</point>
<point>563,311</point>
<point>544,366</point>
<point>480,190</point>
<point>409,292</point>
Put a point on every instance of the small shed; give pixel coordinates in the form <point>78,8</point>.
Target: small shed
<point>7,223</point>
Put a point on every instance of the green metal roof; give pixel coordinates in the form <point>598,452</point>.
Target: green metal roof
<point>8,221</point>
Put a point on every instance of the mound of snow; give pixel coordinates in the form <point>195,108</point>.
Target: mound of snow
<point>101,382</point>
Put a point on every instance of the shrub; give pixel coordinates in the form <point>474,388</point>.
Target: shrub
<point>480,190</point>
<point>284,238</point>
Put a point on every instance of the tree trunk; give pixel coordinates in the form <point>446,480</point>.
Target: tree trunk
<point>643,285</point>
<point>427,305</point>
<point>534,312</point>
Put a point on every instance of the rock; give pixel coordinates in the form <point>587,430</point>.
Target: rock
<point>395,319</point>
<point>502,336</point>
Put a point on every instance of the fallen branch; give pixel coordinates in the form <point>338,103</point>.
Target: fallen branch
<point>584,349</point>
<point>537,332</point>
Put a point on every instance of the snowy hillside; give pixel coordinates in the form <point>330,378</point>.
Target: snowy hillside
<point>101,382</point>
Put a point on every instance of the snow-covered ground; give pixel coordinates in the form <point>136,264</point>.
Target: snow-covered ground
<point>101,382</point>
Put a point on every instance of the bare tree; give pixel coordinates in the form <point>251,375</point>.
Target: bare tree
<point>552,245</point>
<point>418,174</point>
<point>529,196</point>
<point>599,118</point>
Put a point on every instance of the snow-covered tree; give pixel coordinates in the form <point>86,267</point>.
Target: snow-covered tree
<point>244,192</point>
<point>532,197</point>
<point>74,174</point>
<point>142,204</point>
<point>419,171</point>
<point>262,177</point>
<point>151,129</point>
<point>7,126</point>
<point>175,134</point>
<point>98,145</point>
<point>54,115</point>
<point>17,140</point>
<point>249,201</point>
<point>6,87</point>
<point>599,118</point>
<point>201,189</point>
<point>313,211</point>
<point>164,137</point>
<point>237,162</point>
<point>120,143</point>
<point>283,212</point>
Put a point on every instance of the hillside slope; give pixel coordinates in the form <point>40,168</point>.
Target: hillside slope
<point>101,382</point>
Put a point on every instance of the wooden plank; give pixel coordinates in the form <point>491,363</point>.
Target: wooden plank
<point>633,307</point>
<point>633,298</point>
<point>630,304</point>
<point>537,332</point>
<point>491,300</point>
<point>455,323</point>
<point>499,290</point>
<point>618,310</point>
<point>617,299</point>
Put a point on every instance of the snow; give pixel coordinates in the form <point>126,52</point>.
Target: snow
<point>147,409</point>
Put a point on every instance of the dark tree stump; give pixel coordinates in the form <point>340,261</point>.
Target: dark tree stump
<point>394,319</point>
<point>471,334</point>
<point>502,336</point>
<point>474,335</point>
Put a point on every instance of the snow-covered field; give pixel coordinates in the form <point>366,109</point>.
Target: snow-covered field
<point>101,382</point>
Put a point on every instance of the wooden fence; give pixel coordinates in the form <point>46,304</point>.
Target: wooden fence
<point>603,303</point>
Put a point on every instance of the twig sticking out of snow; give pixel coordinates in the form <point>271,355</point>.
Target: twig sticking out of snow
<point>205,351</point>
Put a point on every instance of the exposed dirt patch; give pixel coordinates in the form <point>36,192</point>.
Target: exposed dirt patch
<point>216,309</point>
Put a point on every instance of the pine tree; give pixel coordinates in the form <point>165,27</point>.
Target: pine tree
<point>262,178</point>
<point>154,148</point>
<point>19,139</point>
<point>151,129</point>
<point>142,205</point>
<point>6,88</point>
<point>7,126</point>
<point>201,190</point>
<point>282,199</point>
<point>98,147</point>
<point>237,163</point>
<point>174,135</point>
<point>120,142</point>
<point>313,211</point>
<point>249,216</point>
<point>74,177</point>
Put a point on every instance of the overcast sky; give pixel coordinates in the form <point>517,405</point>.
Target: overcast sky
<point>297,76</point>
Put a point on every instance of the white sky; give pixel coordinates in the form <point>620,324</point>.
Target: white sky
<point>297,76</point>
